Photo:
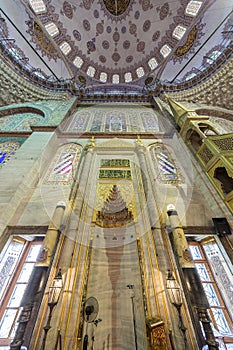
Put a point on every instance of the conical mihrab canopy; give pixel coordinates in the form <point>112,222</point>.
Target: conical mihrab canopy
<point>114,212</point>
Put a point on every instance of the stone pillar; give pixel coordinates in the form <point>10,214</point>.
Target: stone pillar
<point>179,239</point>
<point>51,237</point>
<point>74,255</point>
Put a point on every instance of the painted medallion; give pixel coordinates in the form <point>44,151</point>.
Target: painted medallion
<point>117,7</point>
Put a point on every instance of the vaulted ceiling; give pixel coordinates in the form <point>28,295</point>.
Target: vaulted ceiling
<point>123,44</point>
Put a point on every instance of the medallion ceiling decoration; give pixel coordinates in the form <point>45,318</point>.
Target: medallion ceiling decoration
<point>42,42</point>
<point>117,42</point>
<point>188,47</point>
<point>117,8</point>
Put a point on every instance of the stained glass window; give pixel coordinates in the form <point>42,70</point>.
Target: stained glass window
<point>220,319</point>
<point>91,71</point>
<point>52,29</point>
<point>115,79</point>
<point>78,62</point>
<point>195,252</point>
<point>178,32</point>
<point>214,275</point>
<point>22,255</point>
<point>211,57</point>
<point>7,150</point>
<point>9,262</point>
<point>193,7</point>
<point>103,77</point>
<point>165,50</point>
<point>140,72</point>
<point>128,77</point>
<point>152,63</point>
<point>65,48</point>
<point>63,166</point>
<point>203,272</point>
<point>38,5</point>
<point>168,171</point>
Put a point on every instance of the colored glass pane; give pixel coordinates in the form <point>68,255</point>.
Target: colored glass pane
<point>128,77</point>
<point>220,320</point>
<point>8,263</point>
<point>165,50</point>
<point>52,29</point>
<point>115,79</point>
<point>16,254</point>
<point>168,171</point>
<point>178,32</point>
<point>193,7</point>
<point>65,48</point>
<point>78,62</point>
<point>38,5</point>
<point>152,63</point>
<point>213,274</point>
<point>91,71</point>
<point>195,252</point>
<point>211,294</point>
<point>103,77</point>
<point>63,167</point>
<point>140,72</point>
<point>7,150</point>
<point>203,272</point>
<point>190,76</point>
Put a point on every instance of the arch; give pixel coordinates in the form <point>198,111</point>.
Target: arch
<point>207,129</point>
<point>19,110</point>
<point>63,166</point>
<point>165,165</point>
<point>225,180</point>
<point>194,139</point>
<point>214,113</point>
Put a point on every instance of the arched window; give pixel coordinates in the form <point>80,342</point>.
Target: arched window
<point>16,267</point>
<point>63,166</point>
<point>165,165</point>
<point>38,6</point>
<point>216,278</point>
<point>7,150</point>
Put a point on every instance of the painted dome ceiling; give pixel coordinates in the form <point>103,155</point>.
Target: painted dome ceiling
<point>119,43</point>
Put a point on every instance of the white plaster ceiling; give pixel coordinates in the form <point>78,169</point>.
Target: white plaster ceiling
<point>117,42</point>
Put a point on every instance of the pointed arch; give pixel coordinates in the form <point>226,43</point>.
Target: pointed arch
<point>63,165</point>
<point>165,165</point>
